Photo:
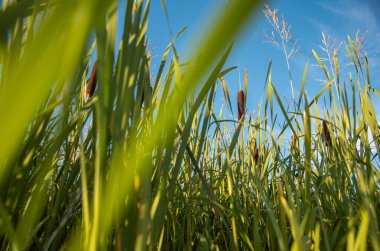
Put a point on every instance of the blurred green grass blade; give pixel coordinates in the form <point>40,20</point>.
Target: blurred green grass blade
<point>57,64</point>
<point>16,11</point>
<point>186,131</point>
<point>115,172</point>
<point>37,199</point>
<point>360,242</point>
<point>239,12</point>
<point>6,228</point>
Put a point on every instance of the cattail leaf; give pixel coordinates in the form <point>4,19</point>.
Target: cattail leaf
<point>360,242</point>
<point>289,123</point>
<point>319,94</point>
<point>226,94</point>
<point>267,76</point>
<point>294,226</point>
<point>321,65</point>
<point>307,143</point>
<point>351,57</point>
<point>355,53</point>
<point>245,85</point>
<point>224,72</point>
<point>303,83</point>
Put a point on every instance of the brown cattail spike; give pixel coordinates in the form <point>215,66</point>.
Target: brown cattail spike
<point>91,85</point>
<point>241,107</point>
<point>256,155</point>
<point>326,134</point>
<point>295,143</point>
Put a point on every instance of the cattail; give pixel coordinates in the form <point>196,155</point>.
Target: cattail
<point>241,103</point>
<point>212,189</point>
<point>326,134</point>
<point>256,155</point>
<point>91,85</point>
<point>295,143</point>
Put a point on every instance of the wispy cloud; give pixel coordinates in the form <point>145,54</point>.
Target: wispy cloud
<point>358,15</point>
<point>353,11</point>
<point>324,27</point>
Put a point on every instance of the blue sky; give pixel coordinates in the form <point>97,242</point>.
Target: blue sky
<point>308,19</point>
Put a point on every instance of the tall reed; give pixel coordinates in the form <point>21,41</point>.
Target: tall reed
<point>145,168</point>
